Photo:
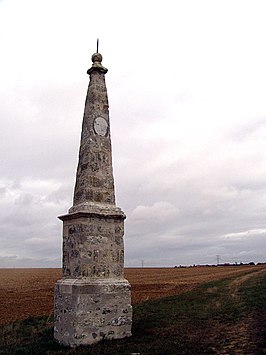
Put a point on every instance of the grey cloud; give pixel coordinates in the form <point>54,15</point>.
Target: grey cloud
<point>15,261</point>
<point>248,130</point>
<point>38,137</point>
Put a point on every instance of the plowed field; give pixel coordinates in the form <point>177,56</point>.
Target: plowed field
<point>29,292</point>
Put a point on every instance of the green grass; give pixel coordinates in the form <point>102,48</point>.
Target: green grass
<point>197,322</point>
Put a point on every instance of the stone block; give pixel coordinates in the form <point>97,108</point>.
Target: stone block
<point>87,311</point>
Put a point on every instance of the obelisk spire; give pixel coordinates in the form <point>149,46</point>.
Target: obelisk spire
<point>94,179</point>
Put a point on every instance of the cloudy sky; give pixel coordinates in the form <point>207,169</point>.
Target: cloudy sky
<point>187,94</point>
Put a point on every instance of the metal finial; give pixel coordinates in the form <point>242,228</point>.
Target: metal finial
<point>97,45</point>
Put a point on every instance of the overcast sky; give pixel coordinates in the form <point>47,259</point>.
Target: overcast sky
<point>187,95</point>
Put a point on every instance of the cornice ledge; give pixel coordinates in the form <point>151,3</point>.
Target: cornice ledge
<point>93,210</point>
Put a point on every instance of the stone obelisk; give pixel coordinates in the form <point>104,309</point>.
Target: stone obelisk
<point>93,299</point>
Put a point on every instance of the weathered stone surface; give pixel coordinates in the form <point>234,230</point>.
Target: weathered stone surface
<point>87,312</point>
<point>94,180</point>
<point>93,246</point>
<point>93,300</point>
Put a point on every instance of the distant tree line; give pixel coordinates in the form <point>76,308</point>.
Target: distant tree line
<point>223,264</point>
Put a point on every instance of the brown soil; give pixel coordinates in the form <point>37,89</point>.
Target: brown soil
<point>30,292</point>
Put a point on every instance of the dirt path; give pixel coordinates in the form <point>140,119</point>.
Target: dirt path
<point>235,284</point>
<point>244,336</point>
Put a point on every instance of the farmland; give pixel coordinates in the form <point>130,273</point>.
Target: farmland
<point>29,292</point>
<point>208,310</point>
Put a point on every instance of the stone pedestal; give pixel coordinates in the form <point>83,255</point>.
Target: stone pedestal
<point>92,300</point>
<point>89,311</point>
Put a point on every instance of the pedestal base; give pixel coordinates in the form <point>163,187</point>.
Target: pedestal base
<point>87,311</point>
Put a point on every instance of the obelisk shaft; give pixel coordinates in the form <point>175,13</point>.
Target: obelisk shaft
<point>94,179</point>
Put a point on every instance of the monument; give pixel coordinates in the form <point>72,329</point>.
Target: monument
<point>93,299</point>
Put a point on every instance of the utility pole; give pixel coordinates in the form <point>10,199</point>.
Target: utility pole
<point>142,263</point>
<point>218,259</point>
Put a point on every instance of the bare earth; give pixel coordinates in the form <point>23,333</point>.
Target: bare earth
<point>29,292</point>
